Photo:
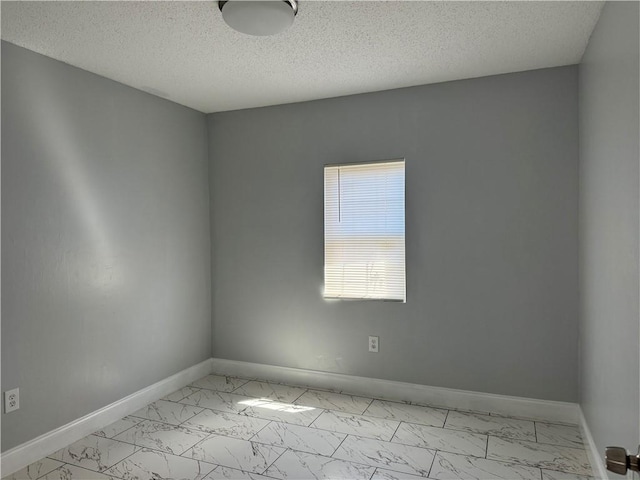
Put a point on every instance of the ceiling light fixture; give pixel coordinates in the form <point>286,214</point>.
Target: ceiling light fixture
<point>259,17</point>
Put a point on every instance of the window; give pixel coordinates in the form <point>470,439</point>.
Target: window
<point>364,255</point>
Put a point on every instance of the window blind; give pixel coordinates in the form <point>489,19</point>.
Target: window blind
<point>364,246</point>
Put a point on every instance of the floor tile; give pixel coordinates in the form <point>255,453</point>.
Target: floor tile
<point>180,394</point>
<point>219,383</point>
<point>299,465</point>
<point>553,475</point>
<point>360,425</point>
<point>475,412</point>
<point>334,401</point>
<point>435,438</point>
<point>229,424</point>
<point>162,436</point>
<point>223,402</point>
<point>491,425</point>
<point>391,456</point>
<point>235,453</point>
<point>71,472</point>
<point>553,457</point>
<point>569,436</point>
<point>404,412</point>
<point>94,453</point>
<point>230,428</point>
<point>304,439</point>
<point>151,464</point>
<point>226,473</point>
<point>167,412</point>
<point>452,466</point>
<point>272,391</point>
<point>388,475</point>
<point>35,470</point>
<point>120,426</point>
<point>279,411</point>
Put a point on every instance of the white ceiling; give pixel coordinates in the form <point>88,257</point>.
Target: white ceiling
<point>183,50</point>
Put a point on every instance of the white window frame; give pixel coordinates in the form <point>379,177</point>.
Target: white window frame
<point>364,253</point>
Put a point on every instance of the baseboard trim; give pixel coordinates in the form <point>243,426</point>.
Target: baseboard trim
<point>550,411</point>
<point>33,450</point>
<point>23,455</point>
<point>595,456</point>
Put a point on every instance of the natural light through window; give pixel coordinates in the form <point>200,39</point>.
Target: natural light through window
<point>364,246</point>
<point>271,405</point>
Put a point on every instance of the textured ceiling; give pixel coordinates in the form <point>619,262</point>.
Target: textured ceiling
<point>184,51</point>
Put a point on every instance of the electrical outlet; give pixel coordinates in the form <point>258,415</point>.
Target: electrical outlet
<point>11,400</point>
<point>374,343</point>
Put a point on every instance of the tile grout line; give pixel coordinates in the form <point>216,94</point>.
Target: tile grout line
<point>336,449</point>
<point>41,476</point>
<point>235,413</point>
<point>142,419</point>
<point>475,432</point>
<point>84,468</point>
<point>136,450</point>
<point>433,462</point>
<point>191,417</point>
<point>370,403</point>
<point>271,464</point>
<point>315,419</point>
<point>209,435</point>
<point>395,431</point>
<point>446,417</point>
<point>486,448</point>
<point>435,449</point>
<point>125,430</point>
<point>522,463</point>
<point>298,397</point>
<point>259,430</point>
<point>346,461</point>
<point>245,381</point>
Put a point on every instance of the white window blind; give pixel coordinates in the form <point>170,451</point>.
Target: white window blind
<point>364,254</point>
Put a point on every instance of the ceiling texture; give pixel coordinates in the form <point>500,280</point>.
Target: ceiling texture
<point>183,50</point>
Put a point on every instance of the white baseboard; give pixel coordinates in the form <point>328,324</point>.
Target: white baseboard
<point>33,450</point>
<point>550,411</point>
<point>595,456</point>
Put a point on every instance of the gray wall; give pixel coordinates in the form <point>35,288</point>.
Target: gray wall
<point>105,241</point>
<point>609,234</point>
<point>492,298</point>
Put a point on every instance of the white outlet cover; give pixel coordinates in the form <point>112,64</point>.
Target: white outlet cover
<point>11,400</point>
<point>374,343</point>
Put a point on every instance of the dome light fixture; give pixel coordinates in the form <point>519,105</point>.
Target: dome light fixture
<point>259,17</point>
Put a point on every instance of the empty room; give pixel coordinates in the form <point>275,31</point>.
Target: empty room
<point>291,240</point>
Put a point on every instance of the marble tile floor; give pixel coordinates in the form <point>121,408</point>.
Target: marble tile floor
<point>231,428</point>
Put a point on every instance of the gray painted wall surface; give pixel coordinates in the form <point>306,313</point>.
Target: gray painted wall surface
<point>491,166</point>
<point>105,241</point>
<point>609,156</point>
